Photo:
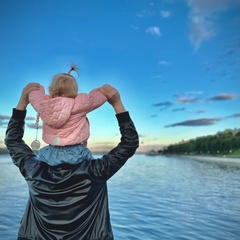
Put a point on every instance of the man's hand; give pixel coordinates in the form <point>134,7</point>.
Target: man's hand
<point>23,101</point>
<point>113,97</point>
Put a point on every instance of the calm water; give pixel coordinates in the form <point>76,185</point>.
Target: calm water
<point>151,198</point>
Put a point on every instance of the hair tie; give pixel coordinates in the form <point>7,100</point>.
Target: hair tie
<point>69,71</point>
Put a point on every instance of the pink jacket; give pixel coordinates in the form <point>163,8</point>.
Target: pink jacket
<point>64,119</point>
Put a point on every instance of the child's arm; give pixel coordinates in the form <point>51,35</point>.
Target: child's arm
<point>91,101</point>
<point>97,98</point>
<point>37,97</point>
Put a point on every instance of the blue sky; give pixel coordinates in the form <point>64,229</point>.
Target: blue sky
<point>176,63</point>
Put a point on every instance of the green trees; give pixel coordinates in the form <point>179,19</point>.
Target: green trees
<point>3,151</point>
<point>221,143</point>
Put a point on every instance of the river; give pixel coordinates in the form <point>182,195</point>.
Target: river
<point>151,198</point>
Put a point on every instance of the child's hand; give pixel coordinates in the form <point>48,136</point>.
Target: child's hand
<point>113,97</point>
<point>110,93</point>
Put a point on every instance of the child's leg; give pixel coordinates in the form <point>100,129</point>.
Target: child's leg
<point>74,154</point>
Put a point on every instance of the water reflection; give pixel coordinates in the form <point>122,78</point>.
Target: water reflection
<point>151,198</point>
<point>177,199</point>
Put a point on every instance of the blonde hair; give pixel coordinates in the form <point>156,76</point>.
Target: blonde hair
<point>64,85</point>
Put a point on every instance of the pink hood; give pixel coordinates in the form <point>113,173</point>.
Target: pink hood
<point>64,119</point>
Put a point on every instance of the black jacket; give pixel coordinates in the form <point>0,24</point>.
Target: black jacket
<point>68,202</point>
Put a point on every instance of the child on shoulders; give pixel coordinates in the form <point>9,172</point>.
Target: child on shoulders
<point>66,127</point>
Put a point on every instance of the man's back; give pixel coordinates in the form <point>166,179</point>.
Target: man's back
<point>66,202</point>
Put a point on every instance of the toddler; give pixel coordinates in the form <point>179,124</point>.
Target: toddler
<point>65,124</point>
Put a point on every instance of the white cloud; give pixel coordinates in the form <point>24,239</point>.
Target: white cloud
<point>202,25</point>
<point>145,13</point>
<point>165,14</point>
<point>185,100</point>
<point>154,31</point>
<point>162,62</point>
<point>135,27</point>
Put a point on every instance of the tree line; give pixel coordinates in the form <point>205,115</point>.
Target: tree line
<point>3,151</point>
<point>222,143</point>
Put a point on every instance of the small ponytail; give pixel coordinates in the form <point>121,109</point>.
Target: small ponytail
<point>73,68</point>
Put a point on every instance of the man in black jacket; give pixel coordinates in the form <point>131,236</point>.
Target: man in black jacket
<point>68,202</point>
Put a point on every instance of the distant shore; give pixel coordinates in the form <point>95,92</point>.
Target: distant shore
<point>223,159</point>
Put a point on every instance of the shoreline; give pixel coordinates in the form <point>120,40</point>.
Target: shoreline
<point>212,159</point>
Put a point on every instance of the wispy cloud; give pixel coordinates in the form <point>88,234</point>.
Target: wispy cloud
<point>222,97</point>
<point>201,111</point>
<point>236,115</point>
<point>197,111</point>
<point>178,109</point>
<point>165,13</point>
<point>145,13</point>
<point>154,31</point>
<point>4,117</point>
<point>202,25</point>
<point>185,100</point>
<point>196,122</point>
<point>4,120</point>
<point>141,135</point>
<point>30,118</point>
<point>199,122</point>
<point>163,104</point>
<point>3,124</point>
<point>188,97</point>
<point>163,62</point>
<point>134,27</point>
